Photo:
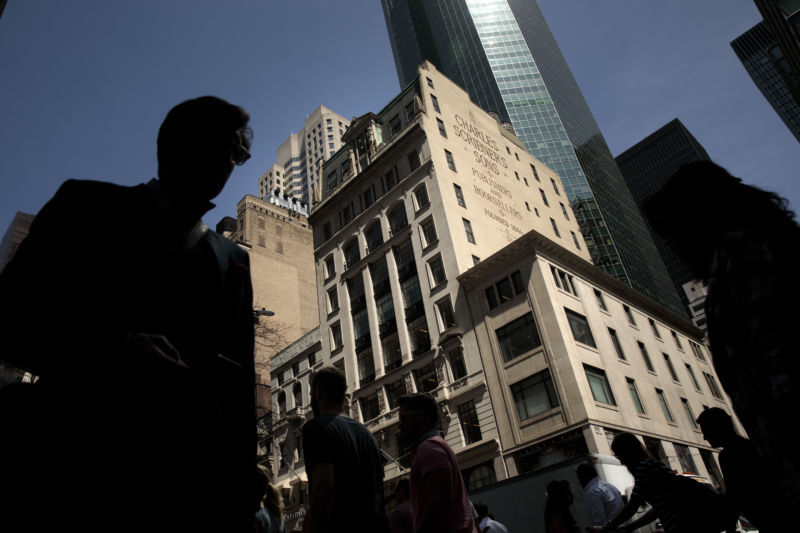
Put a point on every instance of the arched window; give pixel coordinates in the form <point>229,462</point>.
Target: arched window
<point>374,235</point>
<point>397,218</point>
<point>480,476</point>
<point>282,403</point>
<point>297,392</point>
<point>351,254</point>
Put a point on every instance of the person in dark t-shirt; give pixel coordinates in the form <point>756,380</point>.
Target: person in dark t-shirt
<point>343,462</point>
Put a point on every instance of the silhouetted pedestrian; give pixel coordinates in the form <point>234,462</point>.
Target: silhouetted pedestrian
<point>485,522</point>
<point>745,244</point>
<point>343,462</point>
<point>400,519</point>
<point>139,322</point>
<point>269,516</point>
<point>557,516</point>
<point>601,499</point>
<point>439,500</point>
<point>682,504</point>
<point>748,486</point>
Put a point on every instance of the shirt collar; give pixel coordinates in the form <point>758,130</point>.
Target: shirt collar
<point>426,436</point>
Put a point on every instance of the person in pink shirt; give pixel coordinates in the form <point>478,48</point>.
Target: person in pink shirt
<point>439,501</point>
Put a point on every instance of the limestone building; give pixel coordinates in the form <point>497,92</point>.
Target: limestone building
<point>448,261</point>
<point>299,159</point>
<point>278,241</point>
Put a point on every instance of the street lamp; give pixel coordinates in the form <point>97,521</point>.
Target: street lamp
<point>263,312</point>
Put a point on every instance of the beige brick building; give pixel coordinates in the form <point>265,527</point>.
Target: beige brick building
<point>448,261</point>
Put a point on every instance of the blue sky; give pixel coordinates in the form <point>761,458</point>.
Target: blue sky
<point>85,84</point>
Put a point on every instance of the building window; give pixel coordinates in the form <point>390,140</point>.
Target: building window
<point>436,268</point>
<point>555,228</point>
<point>435,103</point>
<point>394,125</point>
<point>664,406</point>
<point>506,289</point>
<point>516,174</point>
<point>421,197</point>
<point>468,230</point>
<point>351,253</point>
<point>653,326</point>
<point>425,378</point>
<point>637,401</point>
<point>712,386</point>
<point>646,357</point>
<point>442,131</point>
<point>468,417</point>
<point>366,367</point>
<point>692,377</point>
<point>475,260</point>
<point>544,197</point>
<point>555,187</point>
<point>397,219</point>
<point>698,352</point>
<point>394,391</point>
<point>450,161</point>
<point>413,160</point>
<point>374,236</point>
<point>330,269</point>
<point>419,336</point>
<point>564,210</point>
<point>480,476</point>
<point>527,206</point>
<point>575,240</point>
<point>598,382</point>
<point>629,315</point>
<point>688,410</point>
<point>564,281</point>
<point>459,195</point>
<point>297,393</point>
<point>428,230</point>
<point>282,403</point>
<point>670,367</point>
<point>535,173</point>
<point>617,346</point>
<point>430,82</point>
<point>601,302</point>
<point>370,408</point>
<point>446,316</point>
<point>581,331</point>
<point>518,337</point>
<point>333,300</point>
<point>410,112</point>
<point>312,359</point>
<point>392,357</point>
<point>526,182</point>
<point>534,395</point>
<point>677,341</point>
<point>457,364</point>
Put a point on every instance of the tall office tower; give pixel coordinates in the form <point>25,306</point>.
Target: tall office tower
<point>765,62</point>
<point>300,157</point>
<point>448,262</point>
<point>646,166</point>
<point>503,54</point>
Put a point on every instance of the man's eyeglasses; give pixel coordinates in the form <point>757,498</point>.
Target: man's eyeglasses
<point>240,152</point>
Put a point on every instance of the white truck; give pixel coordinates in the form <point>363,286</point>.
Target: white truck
<point>518,502</point>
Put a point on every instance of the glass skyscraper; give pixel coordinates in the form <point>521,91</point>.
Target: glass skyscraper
<point>503,54</point>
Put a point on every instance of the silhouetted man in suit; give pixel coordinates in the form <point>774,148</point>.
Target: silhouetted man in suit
<point>139,322</point>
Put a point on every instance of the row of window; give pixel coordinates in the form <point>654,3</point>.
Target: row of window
<point>566,282</point>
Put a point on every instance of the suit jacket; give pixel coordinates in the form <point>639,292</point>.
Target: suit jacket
<point>103,262</point>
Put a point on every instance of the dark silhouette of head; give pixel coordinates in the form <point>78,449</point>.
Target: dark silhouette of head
<point>482,509</point>
<point>199,143</point>
<point>717,427</point>
<point>628,449</point>
<point>418,414</point>
<point>402,491</point>
<point>701,202</point>
<point>586,473</point>
<point>328,388</point>
<point>559,498</point>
